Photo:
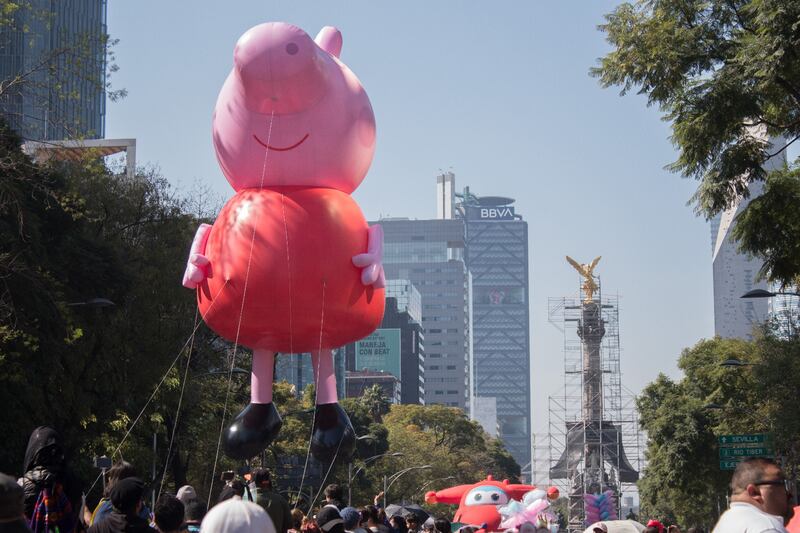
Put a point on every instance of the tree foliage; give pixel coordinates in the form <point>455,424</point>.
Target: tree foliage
<point>683,420</point>
<point>726,74</point>
<point>446,439</point>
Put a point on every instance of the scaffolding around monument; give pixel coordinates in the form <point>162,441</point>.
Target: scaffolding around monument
<point>587,421</point>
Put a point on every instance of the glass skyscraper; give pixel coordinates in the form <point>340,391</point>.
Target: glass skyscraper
<point>52,60</point>
<point>736,273</point>
<point>298,370</point>
<point>430,253</point>
<point>496,254</point>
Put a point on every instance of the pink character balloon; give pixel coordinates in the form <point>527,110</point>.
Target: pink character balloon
<point>290,264</point>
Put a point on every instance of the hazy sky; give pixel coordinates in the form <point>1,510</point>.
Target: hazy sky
<point>497,91</point>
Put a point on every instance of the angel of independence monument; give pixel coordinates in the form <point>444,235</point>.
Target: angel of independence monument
<point>593,429</point>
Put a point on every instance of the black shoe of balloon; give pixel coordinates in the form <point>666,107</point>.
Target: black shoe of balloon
<point>333,436</point>
<point>251,431</point>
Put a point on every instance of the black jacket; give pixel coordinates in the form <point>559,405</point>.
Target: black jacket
<point>117,522</point>
<point>44,466</point>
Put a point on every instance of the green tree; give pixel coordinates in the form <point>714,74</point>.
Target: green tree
<point>725,73</point>
<point>446,439</point>
<point>683,419</point>
<point>73,233</point>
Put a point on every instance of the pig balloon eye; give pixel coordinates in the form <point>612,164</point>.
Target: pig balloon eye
<point>292,49</point>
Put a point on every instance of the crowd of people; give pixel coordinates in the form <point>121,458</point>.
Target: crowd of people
<point>47,498</point>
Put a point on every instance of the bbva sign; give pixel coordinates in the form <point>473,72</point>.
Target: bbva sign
<point>495,213</point>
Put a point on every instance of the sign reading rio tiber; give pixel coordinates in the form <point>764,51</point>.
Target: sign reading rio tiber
<point>380,351</point>
<point>734,449</point>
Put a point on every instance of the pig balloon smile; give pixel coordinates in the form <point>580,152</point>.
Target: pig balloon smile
<point>286,149</point>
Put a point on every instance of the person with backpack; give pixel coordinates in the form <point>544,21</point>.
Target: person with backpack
<point>52,493</point>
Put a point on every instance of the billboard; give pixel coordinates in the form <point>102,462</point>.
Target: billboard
<point>380,351</point>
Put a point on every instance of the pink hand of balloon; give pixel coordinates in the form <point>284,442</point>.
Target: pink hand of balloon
<point>197,265</point>
<point>371,261</point>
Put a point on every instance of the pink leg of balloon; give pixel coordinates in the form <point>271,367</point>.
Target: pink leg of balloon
<point>325,379</point>
<point>261,376</point>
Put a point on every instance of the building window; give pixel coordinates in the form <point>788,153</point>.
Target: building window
<point>433,367</point>
<point>451,367</point>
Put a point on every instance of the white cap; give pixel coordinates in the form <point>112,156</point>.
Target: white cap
<point>186,494</point>
<point>237,516</point>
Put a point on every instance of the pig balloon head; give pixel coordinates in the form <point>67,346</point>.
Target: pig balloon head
<point>291,114</point>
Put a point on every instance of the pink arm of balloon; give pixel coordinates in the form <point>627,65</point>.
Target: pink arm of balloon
<point>371,261</point>
<point>196,266</point>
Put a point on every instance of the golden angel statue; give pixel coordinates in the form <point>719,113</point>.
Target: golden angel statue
<point>589,286</point>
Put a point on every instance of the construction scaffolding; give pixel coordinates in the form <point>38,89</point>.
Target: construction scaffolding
<point>594,438</point>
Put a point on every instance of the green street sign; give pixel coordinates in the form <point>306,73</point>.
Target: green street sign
<point>728,465</point>
<point>754,439</point>
<point>745,452</point>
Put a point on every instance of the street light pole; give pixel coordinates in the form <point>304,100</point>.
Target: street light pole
<point>394,477</point>
<point>351,474</point>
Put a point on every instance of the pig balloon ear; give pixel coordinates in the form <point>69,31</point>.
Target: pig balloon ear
<point>330,40</point>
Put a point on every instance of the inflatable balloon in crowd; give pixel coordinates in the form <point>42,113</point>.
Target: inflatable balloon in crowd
<point>478,503</point>
<point>600,507</point>
<point>532,510</point>
<point>290,265</point>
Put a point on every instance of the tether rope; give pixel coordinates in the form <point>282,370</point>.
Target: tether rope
<point>163,378</point>
<point>241,314</point>
<point>324,479</point>
<point>180,402</point>
<point>316,396</point>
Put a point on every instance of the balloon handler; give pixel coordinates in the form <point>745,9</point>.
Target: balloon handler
<point>290,265</point>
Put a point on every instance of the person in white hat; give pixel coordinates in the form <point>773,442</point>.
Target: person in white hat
<point>237,516</point>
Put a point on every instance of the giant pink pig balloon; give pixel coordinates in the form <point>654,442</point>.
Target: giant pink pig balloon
<point>294,134</point>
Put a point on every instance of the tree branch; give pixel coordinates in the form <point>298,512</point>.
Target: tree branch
<point>784,147</point>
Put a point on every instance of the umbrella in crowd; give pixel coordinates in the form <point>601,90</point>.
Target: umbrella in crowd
<point>407,510</point>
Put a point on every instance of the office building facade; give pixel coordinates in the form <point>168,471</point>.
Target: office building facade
<point>298,370</point>
<point>59,48</point>
<point>736,273</point>
<point>430,254</point>
<point>496,254</point>
<point>358,381</point>
<point>396,348</point>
